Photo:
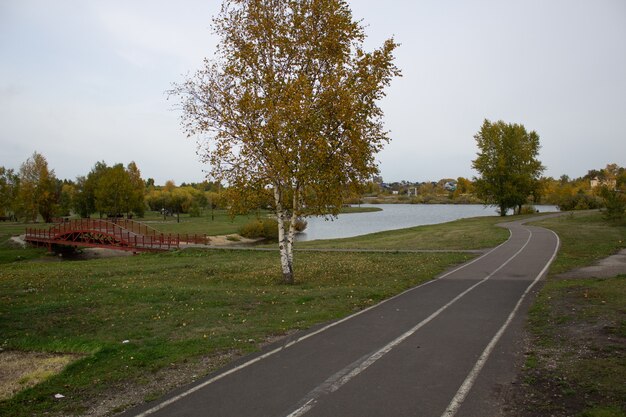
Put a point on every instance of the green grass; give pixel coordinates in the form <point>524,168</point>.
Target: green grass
<point>579,338</point>
<point>359,209</point>
<point>178,307</point>
<point>577,365</point>
<point>220,223</point>
<point>585,238</point>
<point>9,252</point>
<point>175,308</point>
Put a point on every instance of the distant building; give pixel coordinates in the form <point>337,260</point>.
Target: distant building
<point>450,186</point>
<point>597,182</point>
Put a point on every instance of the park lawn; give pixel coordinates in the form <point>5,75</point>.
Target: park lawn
<point>177,309</point>
<point>576,363</point>
<point>585,238</point>
<point>359,209</point>
<point>217,223</point>
<point>10,252</point>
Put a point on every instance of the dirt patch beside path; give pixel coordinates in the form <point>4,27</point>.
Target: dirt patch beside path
<point>21,370</point>
<point>574,360</point>
<point>223,241</point>
<point>606,268</point>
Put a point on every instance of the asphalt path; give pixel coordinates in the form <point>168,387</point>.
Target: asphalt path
<point>444,348</point>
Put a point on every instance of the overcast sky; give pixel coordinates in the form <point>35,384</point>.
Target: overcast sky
<point>85,80</point>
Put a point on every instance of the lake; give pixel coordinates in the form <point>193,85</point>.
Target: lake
<point>394,216</point>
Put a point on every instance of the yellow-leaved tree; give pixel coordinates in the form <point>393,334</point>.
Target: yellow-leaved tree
<point>289,106</point>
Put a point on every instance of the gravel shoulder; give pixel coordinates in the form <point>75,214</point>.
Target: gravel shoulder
<point>573,360</point>
<point>606,268</point>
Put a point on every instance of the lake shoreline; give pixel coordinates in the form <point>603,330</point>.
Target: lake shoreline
<point>394,217</point>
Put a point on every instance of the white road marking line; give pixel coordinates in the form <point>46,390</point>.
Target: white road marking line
<point>467,385</point>
<point>342,377</point>
<point>195,388</point>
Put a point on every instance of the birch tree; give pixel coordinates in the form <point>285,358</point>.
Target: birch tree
<point>289,106</point>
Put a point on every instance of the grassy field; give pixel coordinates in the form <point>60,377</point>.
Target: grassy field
<point>585,238</point>
<point>187,313</point>
<point>182,310</point>
<point>10,252</point>
<point>359,209</point>
<point>576,363</point>
<point>217,223</point>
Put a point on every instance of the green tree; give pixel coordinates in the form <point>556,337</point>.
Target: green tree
<point>613,192</point>
<point>85,198</point>
<point>179,201</point>
<point>290,107</point>
<point>9,186</point>
<point>464,186</point>
<point>37,191</point>
<point>507,164</point>
<point>157,199</point>
<point>137,191</point>
<point>81,201</point>
<point>114,191</point>
<point>614,203</point>
<point>66,197</point>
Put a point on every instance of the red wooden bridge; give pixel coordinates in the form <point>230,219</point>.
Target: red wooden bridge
<point>120,234</point>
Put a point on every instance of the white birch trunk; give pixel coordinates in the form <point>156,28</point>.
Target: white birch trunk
<point>290,238</point>
<point>286,257</point>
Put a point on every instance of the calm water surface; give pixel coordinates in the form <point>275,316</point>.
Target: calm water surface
<point>394,216</point>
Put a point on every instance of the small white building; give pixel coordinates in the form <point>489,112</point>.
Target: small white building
<point>597,182</point>
<point>450,186</point>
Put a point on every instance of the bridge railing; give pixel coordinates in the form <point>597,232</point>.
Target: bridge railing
<point>85,231</point>
<point>195,238</point>
<point>136,227</point>
<point>143,229</point>
<point>32,233</point>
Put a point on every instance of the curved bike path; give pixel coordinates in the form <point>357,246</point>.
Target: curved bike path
<point>444,348</point>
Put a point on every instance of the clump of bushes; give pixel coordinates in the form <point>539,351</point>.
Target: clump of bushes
<point>615,204</point>
<point>528,209</point>
<point>580,201</point>
<point>195,210</point>
<point>301,224</point>
<point>267,228</point>
<point>260,228</point>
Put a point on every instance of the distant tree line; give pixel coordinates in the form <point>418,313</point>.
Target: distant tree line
<point>445,190</point>
<point>107,190</point>
<point>34,192</point>
<point>30,192</point>
<point>186,198</point>
<point>597,189</point>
